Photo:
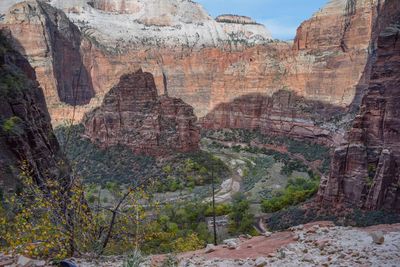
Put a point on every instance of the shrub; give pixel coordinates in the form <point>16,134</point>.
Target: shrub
<point>170,261</point>
<point>241,220</point>
<point>13,126</point>
<point>34,221</point>
<point>135,259</point>
<point>220,210</point>
<point>115,164</point>
<point>296,191</point>
<point>293,216</point>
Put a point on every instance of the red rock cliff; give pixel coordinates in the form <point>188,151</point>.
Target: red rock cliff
<point>284,113</point>
<point>365,172</point>
<point>325,63</point>
<point>26,136</point>
<point>133,115</point>
<point>51,43</point>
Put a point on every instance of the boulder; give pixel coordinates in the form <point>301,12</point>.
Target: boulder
<point>267,234</point>
<point>24,261</point>
<point>210,248</point>
<point>378,237</point>
<point>308,258</point>
<point>261,261</point>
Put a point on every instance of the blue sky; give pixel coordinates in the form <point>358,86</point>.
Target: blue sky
<point>282,17</point>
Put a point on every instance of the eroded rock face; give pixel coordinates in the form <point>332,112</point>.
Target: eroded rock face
<point>197,61</point>
<point>119,6</point>
<point>284,113</point>
<point>52,45</point>
<point>134,115</point>
<point>27,141</point>
<point>365,172</point>
<point>243,28</point>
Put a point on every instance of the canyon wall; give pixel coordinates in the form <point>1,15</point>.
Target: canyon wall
<point>132,114</point>
<point>283,114</point>
<point>365,171</point>
<point>27,141</point>
<point>193,57</point>
<point>52,45</point>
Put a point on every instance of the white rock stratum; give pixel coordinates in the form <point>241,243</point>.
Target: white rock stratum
<point>170,23</point>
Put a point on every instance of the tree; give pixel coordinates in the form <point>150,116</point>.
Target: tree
<point>241,219</point>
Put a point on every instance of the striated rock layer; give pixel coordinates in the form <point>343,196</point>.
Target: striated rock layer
<point>27,141</point>
<point>132,114</point>
<point>365,172</point>
<point>52,45</point>
<point>206,68</point>
<point>284,113</point>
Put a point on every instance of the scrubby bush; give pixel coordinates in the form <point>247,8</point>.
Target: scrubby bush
<point>99,166</point>
<point>135,259</point>
<point>293,216</point>
<point>297,190</point>
<point>241,220</point>
<point>12,125</point>
<point>310,151</point>
<point>119,164</point>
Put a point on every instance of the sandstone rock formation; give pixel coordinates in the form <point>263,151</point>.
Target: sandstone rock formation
<point>27,141</point>
<point>243,28</point>
<point>52,45</point>
<point>146,23</point>
<point>365,172</point>
<point>133,115</point>
<point>284,113</point>
<point>202,65</point>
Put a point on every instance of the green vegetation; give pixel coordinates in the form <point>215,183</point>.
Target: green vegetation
<point>241,219</point>
<point>371,174</point>
<point>182,226</point>
<point>11,83</point>
<point>170,261</point>
<point>256,171</point>
<point>179,227</point>
<point>310,151</point>
<point>361,218</point>
<point>297,190</point>
<point>190,170</point>
<point>134,260</point>
<point>12,79</point>
<point>293,216</point>
<point>96,165</point>
<point>119,164</point>
<point>12,126</point>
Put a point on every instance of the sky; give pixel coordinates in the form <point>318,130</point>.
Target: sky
<point>281,17</point>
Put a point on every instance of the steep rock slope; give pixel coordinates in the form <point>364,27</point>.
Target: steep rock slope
<point>192,59</point>
<point>284,113</point>
<point>132,114</point>
<point>243,28</point>
<point>52,45</point>
<point>148,22</point>
<point>366,171</point>
<point>26,136</point>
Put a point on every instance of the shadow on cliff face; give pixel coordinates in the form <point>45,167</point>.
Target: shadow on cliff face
<point>63,40</point>
<point>283,113</point>
<point>133,114</point>
<point>26,135</point>
<point>74,83</point>
<point>365,172</point>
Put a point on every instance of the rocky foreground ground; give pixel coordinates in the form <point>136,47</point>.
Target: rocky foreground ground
<point>315,244</point>
<point>318,244</point>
